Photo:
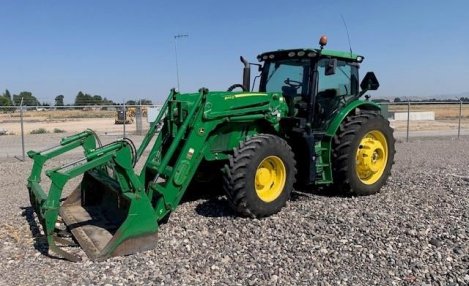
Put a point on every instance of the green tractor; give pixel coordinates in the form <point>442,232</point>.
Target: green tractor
<point>305,126</point>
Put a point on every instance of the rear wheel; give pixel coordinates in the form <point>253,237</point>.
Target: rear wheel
<point>260,175</point>
<point>363,154</point>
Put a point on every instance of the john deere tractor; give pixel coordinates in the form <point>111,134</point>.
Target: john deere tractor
<point>305,126</point>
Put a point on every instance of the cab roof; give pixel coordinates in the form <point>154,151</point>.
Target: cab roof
<point>311,53</point>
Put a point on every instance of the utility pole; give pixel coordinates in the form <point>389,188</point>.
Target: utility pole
<point>176,38</point>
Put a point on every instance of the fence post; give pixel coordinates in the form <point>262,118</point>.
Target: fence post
<point>138,118</point>
<point>408,119</point>
<point>460,115</point>
<point>22,133</point>
<point>125,117</point>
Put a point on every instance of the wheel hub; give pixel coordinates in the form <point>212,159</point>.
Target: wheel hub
<point>264,177</point>
<point>270,178</point>
<point>372,156</point>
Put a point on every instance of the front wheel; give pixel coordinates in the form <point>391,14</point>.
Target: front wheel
<point>363,154</point>
<point>260,175</point>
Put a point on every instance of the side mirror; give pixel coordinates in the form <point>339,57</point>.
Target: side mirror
<point>369,82</point>
<point>331,66</point>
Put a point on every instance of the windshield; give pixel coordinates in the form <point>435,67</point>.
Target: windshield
<point>289,74</point>
<point>343,83</point>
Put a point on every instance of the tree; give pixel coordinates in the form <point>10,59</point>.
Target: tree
<point>7,94</point>
<point>28,99</point>
<point>59,100</point>
<point>97,99</point>
<point>146,102</point>
<point>4,101</point>
<point>397,99</point>
<point>81,99</point>
<point>141,101</point>
<point>107,102</point>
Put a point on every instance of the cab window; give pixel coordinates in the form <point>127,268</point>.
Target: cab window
<point>290,73</point>
<point>343,83</point>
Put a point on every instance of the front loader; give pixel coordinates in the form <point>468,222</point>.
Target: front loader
<point>305,126</point>
<point>124,115</point>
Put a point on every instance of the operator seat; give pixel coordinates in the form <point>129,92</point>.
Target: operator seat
<point>291,97</point>
<point>327,102</point>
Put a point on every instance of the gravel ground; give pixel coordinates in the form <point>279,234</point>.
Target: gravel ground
<point>415,232</point>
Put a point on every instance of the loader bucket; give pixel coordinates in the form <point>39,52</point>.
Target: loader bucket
<point>107,215</point>
<point>106,222</point>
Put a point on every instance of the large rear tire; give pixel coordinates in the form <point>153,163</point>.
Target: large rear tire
<point>259,176</point>
<point>363,154</point>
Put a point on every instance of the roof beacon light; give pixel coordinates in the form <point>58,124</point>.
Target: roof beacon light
<point>323,41</point>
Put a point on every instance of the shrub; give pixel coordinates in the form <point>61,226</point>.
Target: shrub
<point>58,130</point>
<point>39,131</point>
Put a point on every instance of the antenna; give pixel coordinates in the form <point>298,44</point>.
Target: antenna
<point>348,35</point>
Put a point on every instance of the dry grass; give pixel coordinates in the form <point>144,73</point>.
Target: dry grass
<point>442,111</point>
<point>62,114</point>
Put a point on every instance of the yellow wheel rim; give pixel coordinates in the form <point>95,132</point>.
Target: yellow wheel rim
<point>270,178</point>
<point>372,157</point>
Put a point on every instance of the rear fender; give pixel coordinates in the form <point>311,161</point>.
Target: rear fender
<point>360,104</point>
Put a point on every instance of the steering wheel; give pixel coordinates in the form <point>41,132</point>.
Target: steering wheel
<point>236,85</point>
<point>293,83</point>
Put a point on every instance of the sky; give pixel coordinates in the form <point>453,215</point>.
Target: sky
<point>126,49</point>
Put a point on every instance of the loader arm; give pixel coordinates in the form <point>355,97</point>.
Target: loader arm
<point>185,140</point>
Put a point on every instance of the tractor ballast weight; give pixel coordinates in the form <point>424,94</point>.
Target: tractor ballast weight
<point>332,138</point>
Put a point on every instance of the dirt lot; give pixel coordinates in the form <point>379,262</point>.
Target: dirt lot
<point>69,122</point>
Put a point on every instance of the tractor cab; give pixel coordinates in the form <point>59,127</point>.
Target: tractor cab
<point>316,83</point>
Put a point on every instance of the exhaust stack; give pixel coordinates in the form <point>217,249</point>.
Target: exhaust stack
<point>246,74</point>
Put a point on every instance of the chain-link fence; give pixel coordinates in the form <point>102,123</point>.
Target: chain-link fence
<point>38,127</point>
<point>428,119</point>
<point>23,129</point>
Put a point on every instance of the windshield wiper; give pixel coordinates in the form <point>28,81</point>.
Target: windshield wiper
<point>272,74</point>
<point>348,77</point>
